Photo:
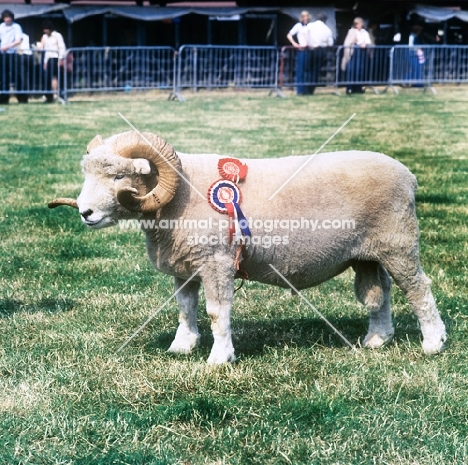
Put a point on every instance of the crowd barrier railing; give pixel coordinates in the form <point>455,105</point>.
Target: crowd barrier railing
<point>427,64</point>
<point>105,69</point>
<point>368,66</point>
<point>307,69</point>
<point>449,64</point>
<point>412,66</point>
<point>216,67</point>
<point>29,72</point>
<point>354,67</point>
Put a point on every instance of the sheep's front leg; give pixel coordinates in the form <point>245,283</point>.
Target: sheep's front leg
<point>219,293</point>
<point>187,337</point>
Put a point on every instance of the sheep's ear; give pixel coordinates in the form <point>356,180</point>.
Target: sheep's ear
<point>141,166</point>
<point>97,141</point>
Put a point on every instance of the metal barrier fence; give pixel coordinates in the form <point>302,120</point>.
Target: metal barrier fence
<point>357,67</point>
<point>354,67</point>
<point>430,64</point>
<point>104,69</point>
<point>450,64</point>
<point>307,69</point>
<point>201,66</point>
<point>412,66</point>
<point>29,72</point>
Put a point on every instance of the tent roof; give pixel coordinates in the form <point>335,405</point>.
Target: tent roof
<point>23,11</point>
<point>435,14</point>
<point>152,13</point>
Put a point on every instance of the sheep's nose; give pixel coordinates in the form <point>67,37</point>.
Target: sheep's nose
<point>86,213</point>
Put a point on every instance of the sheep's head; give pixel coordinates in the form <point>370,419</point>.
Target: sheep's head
<point>125,176</point>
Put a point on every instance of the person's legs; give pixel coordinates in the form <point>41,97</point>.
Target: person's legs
<point>21,74</point>
<point>418,72</point>
<point>307,72</point>
<point>359,55</point>
<point>47,79</point>
<point>54,86</point>
<point>350,74</point>
<point>61,79</point>
<point>300,71</point>
<point>5,59</point>
<point>414,73</point>
<point>51,79</point>
<point>317,60</point>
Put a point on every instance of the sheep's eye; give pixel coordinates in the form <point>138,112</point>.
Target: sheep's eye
<point>119,176</point>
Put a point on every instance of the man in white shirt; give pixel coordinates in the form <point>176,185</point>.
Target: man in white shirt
<point>301,33</point>
<point>319,37</point>
<point>319,34</point>
<point>10,38</point>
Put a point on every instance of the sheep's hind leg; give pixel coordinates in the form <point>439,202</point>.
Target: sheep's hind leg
<point>372,288</point>
<point>187,336</point>
<point>410,278</point>
<point>219,292</point>
<point>418,292</point>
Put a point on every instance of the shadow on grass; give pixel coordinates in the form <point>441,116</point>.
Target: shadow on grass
<point>10,306</point>
<point>255,338</point>
<point>436,199</point>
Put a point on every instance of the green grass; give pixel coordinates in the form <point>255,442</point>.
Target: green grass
<point>69,297</point>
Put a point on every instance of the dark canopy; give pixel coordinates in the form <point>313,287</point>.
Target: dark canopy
<point>153,13</point>
<point>435,14</point>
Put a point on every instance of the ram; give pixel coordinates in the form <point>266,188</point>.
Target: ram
<point>323,215</point>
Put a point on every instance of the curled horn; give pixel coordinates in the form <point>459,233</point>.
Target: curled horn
<point>162,156</point>
<point>61,201</point>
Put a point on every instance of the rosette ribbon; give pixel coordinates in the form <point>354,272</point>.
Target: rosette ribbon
<point>232,169</point>
<point>225,197</point>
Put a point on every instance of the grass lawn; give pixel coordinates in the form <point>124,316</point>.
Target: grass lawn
<point>69,297</point>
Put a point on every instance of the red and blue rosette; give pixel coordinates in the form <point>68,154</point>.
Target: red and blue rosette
<point>225,197</point>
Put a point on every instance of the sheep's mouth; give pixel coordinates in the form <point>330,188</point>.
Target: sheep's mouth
<point>103,222</point>
<point>93,223</point>
<point>96,223</point>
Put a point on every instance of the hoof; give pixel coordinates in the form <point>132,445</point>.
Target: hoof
<point>220,358</point>
<point>376,341</point>
<point>185,345</point>
<point>434,347</point>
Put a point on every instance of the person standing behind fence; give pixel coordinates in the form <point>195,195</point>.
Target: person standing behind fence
<point>54,53</point>
<point>10,38</point>
<point>301,32</point>
<point>319,37</point>
<point>354,56</point>
<point>24,66</point>
<point>416,56</point>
